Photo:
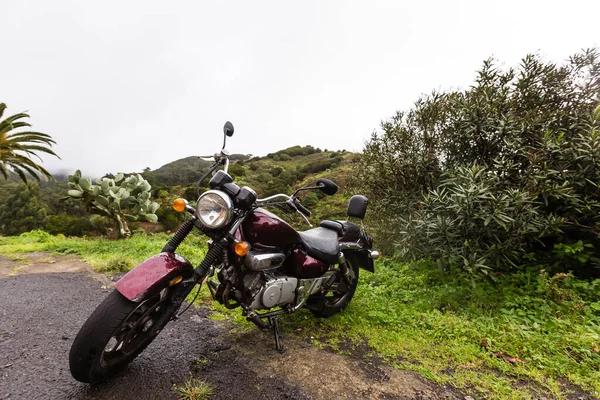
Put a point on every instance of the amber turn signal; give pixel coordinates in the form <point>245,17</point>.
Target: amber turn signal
<point>179,205</point>
<point>176,281</point>
<point>241,248</point>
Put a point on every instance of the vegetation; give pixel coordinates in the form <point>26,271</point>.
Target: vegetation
<point>22,209</point>
<point>497,177</point>
<point>194,389</point>
<point>105,255</point>
<point>16,148</point>
<point>120,199</point>
<point>486,199</point>
<point>529,334</point>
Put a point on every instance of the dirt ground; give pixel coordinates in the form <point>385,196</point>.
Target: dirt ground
<point>45,298</point>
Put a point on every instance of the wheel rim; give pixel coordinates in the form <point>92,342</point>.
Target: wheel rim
<point>333,298</point>
<point>140,326</point>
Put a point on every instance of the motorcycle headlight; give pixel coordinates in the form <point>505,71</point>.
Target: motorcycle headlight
<point>214,209</point>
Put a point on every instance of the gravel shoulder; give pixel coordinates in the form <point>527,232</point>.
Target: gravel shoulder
<point>42,311</point>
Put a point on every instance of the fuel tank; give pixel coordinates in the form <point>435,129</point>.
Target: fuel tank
<point>263,228</point>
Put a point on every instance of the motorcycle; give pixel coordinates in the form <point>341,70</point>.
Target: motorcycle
<point>260,263</point>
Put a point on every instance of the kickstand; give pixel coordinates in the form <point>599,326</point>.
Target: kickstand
<point>273,322</point>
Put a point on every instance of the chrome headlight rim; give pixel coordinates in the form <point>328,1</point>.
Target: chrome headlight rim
<point>228,208</point>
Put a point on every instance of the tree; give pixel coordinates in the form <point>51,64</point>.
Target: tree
<point>16,148</point>
<point>23,211</point>
<point>121,199</point>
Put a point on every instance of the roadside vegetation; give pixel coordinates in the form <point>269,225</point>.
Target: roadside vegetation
<point>194,389</point>
<point>105,255</point>
<point>526,335</point>
<point>486,202</point>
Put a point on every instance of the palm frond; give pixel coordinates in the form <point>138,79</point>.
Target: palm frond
<point>17,148</point>
<point>21,160</point>
<point>30,136</point>
<point>20,173</point>
<point>6,124</point>
<point>3,170</point>
<point>37,134</point>
<point>20,124</point>
<point>31,172</point>
<point>29,148</point>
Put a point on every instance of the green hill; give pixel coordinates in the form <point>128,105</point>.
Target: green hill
<point>279,172</point>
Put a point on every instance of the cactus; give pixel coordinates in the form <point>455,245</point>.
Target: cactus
<point>122,199</point>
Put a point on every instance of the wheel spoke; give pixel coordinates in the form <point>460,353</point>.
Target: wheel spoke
<point>136,329</point>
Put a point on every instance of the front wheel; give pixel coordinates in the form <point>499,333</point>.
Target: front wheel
<point>116,332</point>
<point>333,301</point>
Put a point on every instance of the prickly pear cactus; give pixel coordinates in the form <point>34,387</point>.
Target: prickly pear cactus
<point>121,199</point>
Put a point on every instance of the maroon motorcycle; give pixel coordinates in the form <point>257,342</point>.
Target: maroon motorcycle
<point>260,261</point>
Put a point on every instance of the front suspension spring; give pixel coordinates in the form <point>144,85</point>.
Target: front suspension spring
<point>213,254</point>
<point>179,236</point>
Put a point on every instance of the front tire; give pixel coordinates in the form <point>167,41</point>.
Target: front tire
<point>117,332</point>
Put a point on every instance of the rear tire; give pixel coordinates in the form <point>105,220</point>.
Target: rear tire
<point>324,306</point>
<point>117,332</point>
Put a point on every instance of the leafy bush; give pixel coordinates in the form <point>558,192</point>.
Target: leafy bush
<point>71,225</point>
<point>472,222</point>
<point>480,178</point>
<point>22,209</point>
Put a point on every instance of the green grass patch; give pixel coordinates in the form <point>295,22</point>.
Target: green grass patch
<point>448,329</point>
<point>108,256</point>
<point>454,331</point>
<point>194,389</point>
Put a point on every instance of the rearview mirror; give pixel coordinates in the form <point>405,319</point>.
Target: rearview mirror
<point>326,186</point>
<point>228,129</point>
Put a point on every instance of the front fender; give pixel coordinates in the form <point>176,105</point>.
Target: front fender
<point>152,274</point>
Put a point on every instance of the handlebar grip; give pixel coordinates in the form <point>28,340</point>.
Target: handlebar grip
<point>302,209</point>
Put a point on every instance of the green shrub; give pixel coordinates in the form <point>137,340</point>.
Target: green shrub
<point>481,178</point>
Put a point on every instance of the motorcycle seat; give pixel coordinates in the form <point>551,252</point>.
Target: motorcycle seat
<point>321,243</point>
<point>342,228</point>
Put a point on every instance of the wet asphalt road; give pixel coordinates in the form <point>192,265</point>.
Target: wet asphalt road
<point>40,315</point>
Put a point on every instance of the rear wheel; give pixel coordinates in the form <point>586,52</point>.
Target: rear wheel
<point>333,301</point>
<point>116,332</point>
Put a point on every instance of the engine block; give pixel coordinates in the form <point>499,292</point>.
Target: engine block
<point>276,292</point>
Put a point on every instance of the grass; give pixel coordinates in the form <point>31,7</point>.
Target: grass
<point>454,332</point>
<point>450,330</point>
<point>106,256</point>
<point>194,389</point>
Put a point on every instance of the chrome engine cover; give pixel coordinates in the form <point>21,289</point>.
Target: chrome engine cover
<point>276,292</point>
<point>259,261</point>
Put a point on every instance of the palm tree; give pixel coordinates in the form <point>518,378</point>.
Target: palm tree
<point>16,148</point>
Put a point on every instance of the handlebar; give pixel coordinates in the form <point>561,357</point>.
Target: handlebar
<point>301,208</point>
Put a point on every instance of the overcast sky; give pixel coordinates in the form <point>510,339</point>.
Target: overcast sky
<point>124,85</point>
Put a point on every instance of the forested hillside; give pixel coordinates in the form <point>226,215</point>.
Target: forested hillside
<point>44,205</point>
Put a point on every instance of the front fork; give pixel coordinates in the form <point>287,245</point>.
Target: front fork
<point>214,252</point>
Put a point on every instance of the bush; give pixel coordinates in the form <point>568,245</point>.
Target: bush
<point>237,170</point>
<point>70,225</point>
<point>472,222</point>
<point>480,179</point>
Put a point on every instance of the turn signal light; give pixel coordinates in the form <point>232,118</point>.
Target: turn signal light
<point>179,205</point>
<point>176,281</point>
<point>241,248</point>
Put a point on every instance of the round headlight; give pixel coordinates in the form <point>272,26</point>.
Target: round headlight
<point>214,209</point>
